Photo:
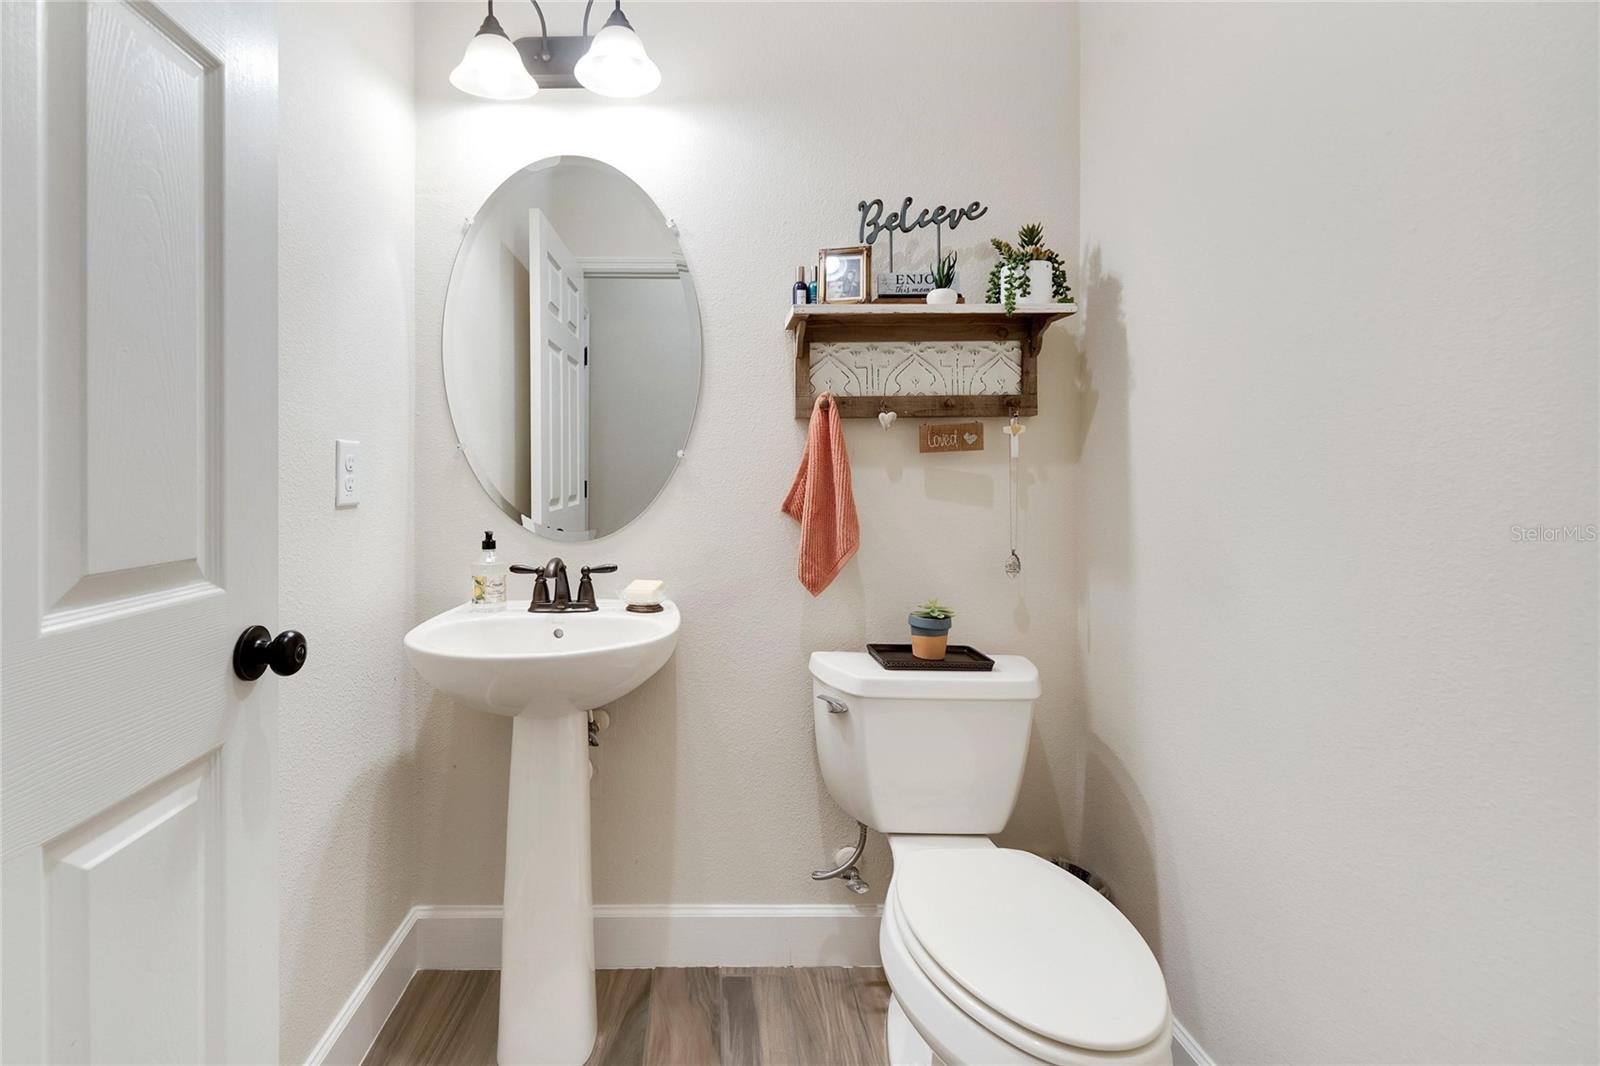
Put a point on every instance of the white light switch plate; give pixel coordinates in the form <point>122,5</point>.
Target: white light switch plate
<point>346,473</point>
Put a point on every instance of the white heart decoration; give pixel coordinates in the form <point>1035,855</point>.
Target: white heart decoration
<point>887,418</point>
<point>971,438</point>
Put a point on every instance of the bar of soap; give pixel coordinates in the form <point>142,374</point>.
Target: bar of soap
<point>644,592</point>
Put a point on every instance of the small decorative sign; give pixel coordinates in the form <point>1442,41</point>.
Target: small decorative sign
<point>951,437</point>
<point>905,284</point>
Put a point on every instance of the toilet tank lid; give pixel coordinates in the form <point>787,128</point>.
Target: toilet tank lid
<point>856,673</point>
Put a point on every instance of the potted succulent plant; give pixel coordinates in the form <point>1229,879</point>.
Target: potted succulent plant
<point>1027,272</point>
<point>943,272</point>
<point>930,630</point>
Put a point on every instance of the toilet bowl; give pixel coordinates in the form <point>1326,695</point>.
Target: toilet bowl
<point>993,956</point>
<point>997,956</point>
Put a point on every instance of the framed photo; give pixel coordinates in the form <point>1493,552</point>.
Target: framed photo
<point>845,275</point>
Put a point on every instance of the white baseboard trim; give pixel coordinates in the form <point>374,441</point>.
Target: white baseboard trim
<point>626,936</point>
<point>361,1018</point>
<point>1186,1051</point>
<point>639,936</point>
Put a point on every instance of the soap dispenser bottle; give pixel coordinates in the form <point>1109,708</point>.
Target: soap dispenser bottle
<point>488,578</point>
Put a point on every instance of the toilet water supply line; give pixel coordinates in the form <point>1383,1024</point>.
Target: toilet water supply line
<point>847,869</point>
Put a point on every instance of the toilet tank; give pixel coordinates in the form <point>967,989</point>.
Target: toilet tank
<point>914,751</point>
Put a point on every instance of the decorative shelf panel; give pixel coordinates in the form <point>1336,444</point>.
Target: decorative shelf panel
<point>917,368</point>
<point>920,361</point>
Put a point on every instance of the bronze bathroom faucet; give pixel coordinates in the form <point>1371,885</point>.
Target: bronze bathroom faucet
<point>556,596</point>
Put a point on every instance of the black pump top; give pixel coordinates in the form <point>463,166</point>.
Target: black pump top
<point>488,540</point>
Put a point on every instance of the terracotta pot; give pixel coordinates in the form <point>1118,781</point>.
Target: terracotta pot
<point>929,637</point>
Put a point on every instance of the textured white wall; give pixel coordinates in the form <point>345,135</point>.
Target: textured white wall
<point>345,281</point>
<point>772,122</point>
<point>1341,337</point>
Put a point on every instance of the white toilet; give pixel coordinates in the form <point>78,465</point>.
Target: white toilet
<point>994,956</point>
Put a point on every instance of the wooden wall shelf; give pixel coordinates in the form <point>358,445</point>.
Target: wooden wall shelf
<point>912,322</point>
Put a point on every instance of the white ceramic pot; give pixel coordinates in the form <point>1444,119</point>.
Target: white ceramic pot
<point>1039,284</point>
<point>942,296</point>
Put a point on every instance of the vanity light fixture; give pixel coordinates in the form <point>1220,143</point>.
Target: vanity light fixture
<point>611,63</point>
<point>491,67</point>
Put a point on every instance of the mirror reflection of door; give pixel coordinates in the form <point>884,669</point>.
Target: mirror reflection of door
<point>559,380</point>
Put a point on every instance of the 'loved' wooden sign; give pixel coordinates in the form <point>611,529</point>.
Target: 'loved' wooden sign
<point>951,437</point>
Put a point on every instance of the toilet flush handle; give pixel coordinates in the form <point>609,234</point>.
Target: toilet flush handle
<point>835,706</point>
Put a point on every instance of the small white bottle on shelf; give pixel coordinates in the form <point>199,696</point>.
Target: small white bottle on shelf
<point>488,578</point>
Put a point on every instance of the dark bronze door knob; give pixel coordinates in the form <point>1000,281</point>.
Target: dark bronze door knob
<point>258,649</point>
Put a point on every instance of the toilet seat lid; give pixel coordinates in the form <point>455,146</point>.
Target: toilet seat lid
<point>1034,944</point>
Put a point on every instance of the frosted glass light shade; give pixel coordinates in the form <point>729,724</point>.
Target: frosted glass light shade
<point>492,68</point>
<point>616,64</point>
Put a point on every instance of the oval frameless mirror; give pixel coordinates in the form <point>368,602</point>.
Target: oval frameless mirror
<point>571,348</point>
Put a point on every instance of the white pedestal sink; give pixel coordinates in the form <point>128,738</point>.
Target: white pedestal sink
<point>545,672</point>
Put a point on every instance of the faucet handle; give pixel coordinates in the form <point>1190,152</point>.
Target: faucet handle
<point>586,598</point>
<point>541,594</point>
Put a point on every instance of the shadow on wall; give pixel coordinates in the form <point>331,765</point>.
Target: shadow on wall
<point>1115,828</point>
<point>1116,840</point>
<point>1105,381</point>
<point>1037,823</point>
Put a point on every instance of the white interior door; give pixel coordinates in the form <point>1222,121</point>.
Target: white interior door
<point>559,380</point>
<point>138,322</point>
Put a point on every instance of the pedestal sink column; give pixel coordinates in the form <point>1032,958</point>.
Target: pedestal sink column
<point>547,1004</point>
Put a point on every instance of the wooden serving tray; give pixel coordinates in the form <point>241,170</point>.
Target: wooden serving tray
<point>956,657</point>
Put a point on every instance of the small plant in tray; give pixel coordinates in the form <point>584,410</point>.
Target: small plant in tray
<point>930,630</point>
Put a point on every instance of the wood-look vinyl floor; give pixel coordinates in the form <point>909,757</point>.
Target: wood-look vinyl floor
<point>825,1016</point>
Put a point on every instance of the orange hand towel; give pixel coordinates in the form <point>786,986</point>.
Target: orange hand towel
<point>822,502</point>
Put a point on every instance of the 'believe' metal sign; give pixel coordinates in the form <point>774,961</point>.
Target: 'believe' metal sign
<point>875,222</point>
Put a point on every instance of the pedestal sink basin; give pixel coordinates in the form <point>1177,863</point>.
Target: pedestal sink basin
<point>545,672</point>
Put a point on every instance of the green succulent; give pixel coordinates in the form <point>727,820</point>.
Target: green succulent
<point>944,272</point>
<point>932,609</point>
<point>1011,268</point>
